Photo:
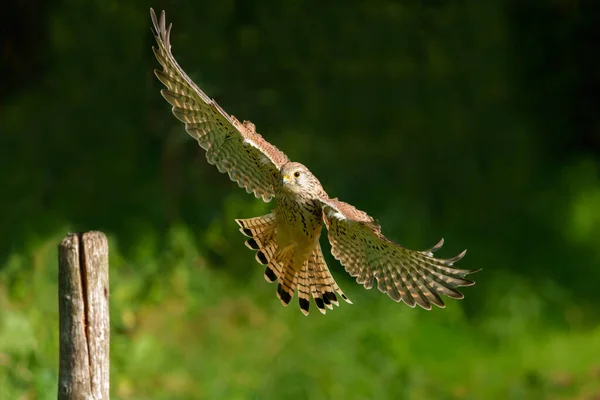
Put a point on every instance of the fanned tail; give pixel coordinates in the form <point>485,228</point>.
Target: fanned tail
<point>262,232</point>
<point>313,279</point>
<point>288,281</point>
<point>320,283</point>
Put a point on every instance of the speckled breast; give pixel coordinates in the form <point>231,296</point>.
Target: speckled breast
<point>298,220</point>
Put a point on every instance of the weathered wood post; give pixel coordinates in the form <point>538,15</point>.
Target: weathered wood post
<point>84,319</point>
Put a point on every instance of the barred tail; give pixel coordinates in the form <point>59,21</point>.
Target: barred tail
<point>313,278</point>
<point>316,280</point>
<point>262,231</point>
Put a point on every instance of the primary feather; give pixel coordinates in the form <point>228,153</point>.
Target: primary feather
<point>286,240</point>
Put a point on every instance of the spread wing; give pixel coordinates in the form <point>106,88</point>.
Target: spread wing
<point>415,277</point>
<point>233,147</point>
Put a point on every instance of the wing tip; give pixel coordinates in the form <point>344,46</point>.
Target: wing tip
<point>154,19</point>
<point>441,304</point>
<point>435,248</point>
<point>458,257</point>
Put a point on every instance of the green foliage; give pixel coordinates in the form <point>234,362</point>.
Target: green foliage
<point>472,120</point>
<point>183,330</point>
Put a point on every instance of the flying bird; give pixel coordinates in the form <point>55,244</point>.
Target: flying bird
<point>286,240</point>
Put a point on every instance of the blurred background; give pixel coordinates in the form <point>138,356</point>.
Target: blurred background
<point>478,121</point>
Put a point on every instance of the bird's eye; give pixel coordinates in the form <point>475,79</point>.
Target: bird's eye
<point>297,174</point>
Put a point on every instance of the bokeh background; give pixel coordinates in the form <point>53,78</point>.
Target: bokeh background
<point>474,120</point>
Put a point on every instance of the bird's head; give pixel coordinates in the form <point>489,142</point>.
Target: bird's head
<point>297,179</point>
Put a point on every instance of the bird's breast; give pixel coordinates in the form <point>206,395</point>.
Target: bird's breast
<point>298,222</point>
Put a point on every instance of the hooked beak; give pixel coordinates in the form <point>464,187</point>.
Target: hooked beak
<point>286,179</point>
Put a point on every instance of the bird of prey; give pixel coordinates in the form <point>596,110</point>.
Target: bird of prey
<point>286,240</point>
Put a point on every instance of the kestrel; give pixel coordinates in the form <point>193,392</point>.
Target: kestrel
<point>287,239</point>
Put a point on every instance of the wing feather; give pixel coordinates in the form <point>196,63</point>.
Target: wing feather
<point>414,277</point>
<point>233,147</point>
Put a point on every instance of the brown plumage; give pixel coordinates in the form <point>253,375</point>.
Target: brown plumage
<point>312,278</point>
<point>286,240</point>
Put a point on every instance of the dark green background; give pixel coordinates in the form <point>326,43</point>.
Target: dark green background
<point>473,120</point>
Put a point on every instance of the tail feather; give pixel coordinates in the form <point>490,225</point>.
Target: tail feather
<point>268,256</point>
<point>254,226</point>
<point>323,286</point>
<point>304,290</point>
<point>287,286</point>
<point>313,279</point>
<point>262,231</point>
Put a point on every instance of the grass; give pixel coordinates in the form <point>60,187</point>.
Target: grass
<point>184,330</point>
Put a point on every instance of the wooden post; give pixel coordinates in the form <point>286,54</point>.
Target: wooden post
<point>84,320</point>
